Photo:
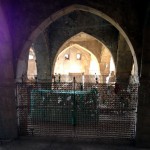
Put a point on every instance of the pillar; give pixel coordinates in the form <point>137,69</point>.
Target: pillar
<point>42,58</point>
<point>8,119</point>
<point>124,61</point>
<point>143,120</point>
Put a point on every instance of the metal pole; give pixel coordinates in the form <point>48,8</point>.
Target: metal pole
<point>74,107</point>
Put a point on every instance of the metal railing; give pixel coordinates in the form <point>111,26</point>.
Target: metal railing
<point>69,109</point>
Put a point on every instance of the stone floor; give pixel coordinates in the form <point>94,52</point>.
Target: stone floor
<point>44,144</point>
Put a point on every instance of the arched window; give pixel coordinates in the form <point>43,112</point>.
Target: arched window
<point>32,69</point>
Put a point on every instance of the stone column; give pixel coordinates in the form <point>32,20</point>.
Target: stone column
<point>8,119</point>
<point>42,58</point>
<point>143,120</point>
<point>124,61</point>
<point>105,63</point>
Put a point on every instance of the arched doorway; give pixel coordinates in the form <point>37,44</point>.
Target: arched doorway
<point>95,110</point>
<point>74,61</point>
<point>102,64</point>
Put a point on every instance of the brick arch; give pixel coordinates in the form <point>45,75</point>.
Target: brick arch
<point>21,62</point>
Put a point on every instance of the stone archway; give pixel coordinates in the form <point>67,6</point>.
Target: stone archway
<point>93,46</point>
<point>80,61</point>
<point>54,17</point>
<point>66,11</point>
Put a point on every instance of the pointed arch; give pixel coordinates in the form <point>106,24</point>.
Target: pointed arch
<point>21,62</point>
<point>92,50</point>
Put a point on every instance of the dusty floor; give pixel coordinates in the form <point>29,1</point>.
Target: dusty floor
<point>41,144</point>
